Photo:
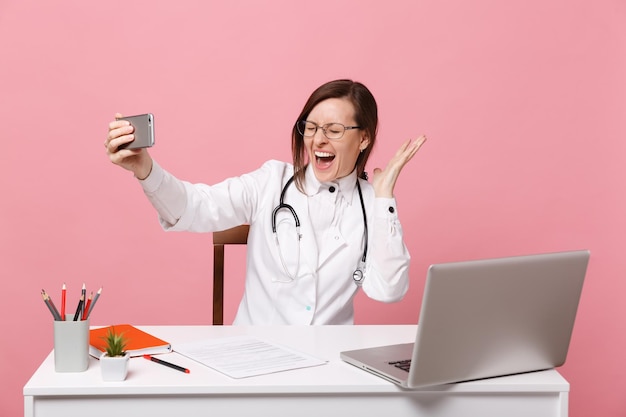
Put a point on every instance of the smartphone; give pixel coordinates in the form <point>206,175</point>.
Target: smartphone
<point>144,131</point>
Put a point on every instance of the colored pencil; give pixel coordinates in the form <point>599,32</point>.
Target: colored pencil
<point>93,303</point>
<point>63,298</point>
<point>79,308</point>
<point>50,304</point>
<point>83,293</point>
<point>87,305</point>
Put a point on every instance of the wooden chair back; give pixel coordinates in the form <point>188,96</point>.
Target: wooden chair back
<point>236,236</point>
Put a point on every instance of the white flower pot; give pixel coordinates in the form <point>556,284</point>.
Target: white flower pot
<point>114,368</point>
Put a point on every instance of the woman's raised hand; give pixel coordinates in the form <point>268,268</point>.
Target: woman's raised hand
<point>384,180</point>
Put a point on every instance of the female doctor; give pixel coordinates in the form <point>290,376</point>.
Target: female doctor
<point>319,230</point>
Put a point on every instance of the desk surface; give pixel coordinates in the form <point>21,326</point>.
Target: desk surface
<point>146,379</point>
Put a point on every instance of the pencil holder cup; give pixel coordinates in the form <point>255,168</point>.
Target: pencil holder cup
<point>71,345</point>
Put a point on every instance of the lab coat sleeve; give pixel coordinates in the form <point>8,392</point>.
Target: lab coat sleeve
<point>206,208</point>
<point>166,193</point>
<point>388,259</point>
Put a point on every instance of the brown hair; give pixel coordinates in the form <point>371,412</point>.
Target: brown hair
<point>365,115</point>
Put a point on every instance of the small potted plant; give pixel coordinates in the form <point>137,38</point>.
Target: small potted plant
<point>114,361</point>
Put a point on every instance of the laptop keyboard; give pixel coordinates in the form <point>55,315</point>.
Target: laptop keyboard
<point>405,364</point>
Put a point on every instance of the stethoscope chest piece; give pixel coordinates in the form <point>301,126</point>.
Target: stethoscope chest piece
<point>357,276</point>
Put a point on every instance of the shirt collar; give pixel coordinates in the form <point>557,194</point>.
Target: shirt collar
<point>344,186</point>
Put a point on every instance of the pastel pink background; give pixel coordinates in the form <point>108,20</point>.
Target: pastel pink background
<point>524,104</point>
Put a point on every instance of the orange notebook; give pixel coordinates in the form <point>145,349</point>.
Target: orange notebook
<point>139,342</point>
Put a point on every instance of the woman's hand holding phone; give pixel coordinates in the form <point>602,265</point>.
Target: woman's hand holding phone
<point>121,134</point>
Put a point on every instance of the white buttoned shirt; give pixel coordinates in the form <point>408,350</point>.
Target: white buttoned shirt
<point>312,283</point>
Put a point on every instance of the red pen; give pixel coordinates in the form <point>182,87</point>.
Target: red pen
<point>162,362</point>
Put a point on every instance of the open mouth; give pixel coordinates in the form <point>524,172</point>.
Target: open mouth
<point>323,159</point>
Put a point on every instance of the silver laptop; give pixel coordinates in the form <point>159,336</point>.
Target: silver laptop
<point>486,318</point>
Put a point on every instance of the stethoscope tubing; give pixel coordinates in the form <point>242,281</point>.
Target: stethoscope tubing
<point>358,274</point>
<point>282,205</point>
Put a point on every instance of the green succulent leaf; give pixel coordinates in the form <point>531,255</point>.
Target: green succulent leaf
<point>115,343</point>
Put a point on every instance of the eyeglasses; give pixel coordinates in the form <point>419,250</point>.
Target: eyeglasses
<point>332,131</point>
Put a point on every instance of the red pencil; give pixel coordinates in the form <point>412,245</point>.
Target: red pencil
<point>86,309</point>
<point>93,303</point>
<point>63,295</point>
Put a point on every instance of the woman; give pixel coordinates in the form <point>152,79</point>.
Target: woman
<point>348,237</point>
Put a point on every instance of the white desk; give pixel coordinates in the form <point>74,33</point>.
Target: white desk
<point>334,389</point>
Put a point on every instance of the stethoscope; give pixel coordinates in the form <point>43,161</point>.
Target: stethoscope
<point>357,275</point>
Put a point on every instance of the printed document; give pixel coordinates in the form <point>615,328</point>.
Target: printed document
<point>245,356</point>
